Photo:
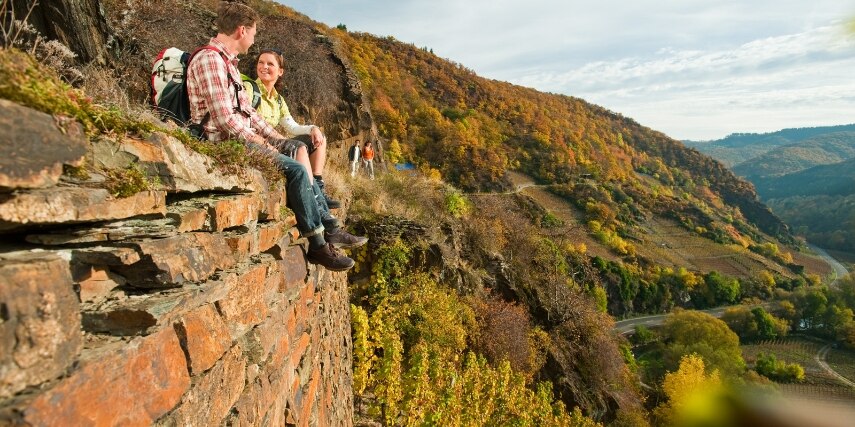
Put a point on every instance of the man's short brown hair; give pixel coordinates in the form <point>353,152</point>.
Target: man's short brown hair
<point>231,15</point>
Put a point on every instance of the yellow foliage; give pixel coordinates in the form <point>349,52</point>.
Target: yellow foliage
<point>688,389</point>
<point>689,379</point>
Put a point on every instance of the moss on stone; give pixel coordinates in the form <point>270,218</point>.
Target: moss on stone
<point>127,182</point>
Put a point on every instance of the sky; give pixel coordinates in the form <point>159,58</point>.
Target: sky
<point>693,69</point>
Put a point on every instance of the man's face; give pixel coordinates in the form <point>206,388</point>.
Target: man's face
<point>247,37</point>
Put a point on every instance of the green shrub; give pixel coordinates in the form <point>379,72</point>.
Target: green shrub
<point>778,370</point>
<point>549,220</point>
<point>456,204</point>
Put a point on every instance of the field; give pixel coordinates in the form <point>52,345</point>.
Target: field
<point>847,258</point>
<point>818,384</point>
<point>842,361</point>
<point>813,264</point>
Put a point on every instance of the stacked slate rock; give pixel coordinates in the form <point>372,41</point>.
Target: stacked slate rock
<point>187,303</point>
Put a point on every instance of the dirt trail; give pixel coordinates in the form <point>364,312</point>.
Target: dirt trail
<point>838,268</point>
<point>820,360</point>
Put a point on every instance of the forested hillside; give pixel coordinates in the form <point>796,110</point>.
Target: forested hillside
<point>824,149</point>
<point>472,130</point>
<point>804,175</point>
<point>818,203</point>
<point>739,147</point>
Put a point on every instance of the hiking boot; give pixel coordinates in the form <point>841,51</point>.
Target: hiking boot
<point>344,240</point>
<point>331,203</point>
<point>331,259</point>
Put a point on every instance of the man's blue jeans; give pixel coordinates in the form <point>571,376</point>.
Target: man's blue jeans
<point>311,215</point>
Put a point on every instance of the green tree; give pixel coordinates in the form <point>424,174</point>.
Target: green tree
<point>721,289</point>
<point>770,367</point>
<point>696,332</point>
<point>768,326</point>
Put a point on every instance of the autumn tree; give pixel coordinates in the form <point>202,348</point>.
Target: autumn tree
<point>756,323</point>
<point>685,383</point>
<point>689,332</point>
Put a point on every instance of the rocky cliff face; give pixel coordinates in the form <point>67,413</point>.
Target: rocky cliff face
<point>188,304</point>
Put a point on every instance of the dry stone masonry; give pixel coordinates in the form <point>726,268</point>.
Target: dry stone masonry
<point>191,304</point>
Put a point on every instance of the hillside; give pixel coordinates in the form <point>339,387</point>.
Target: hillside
<point>473,130</point>
<point>818,203</point>
<point>836,179</point>
<point>739,147</point>
<point>824,149</point>
<point>804,175</point>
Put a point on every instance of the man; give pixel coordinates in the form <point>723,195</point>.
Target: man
<point>222,109</point>
<point>353,155</point>
<point>368,158</point>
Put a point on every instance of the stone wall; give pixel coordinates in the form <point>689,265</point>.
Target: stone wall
<point>191,304</point>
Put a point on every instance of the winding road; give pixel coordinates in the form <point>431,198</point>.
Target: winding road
<point>839,269</point>
<point>628,325</point>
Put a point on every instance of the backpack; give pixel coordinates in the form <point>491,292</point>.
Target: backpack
<point>169,96</point>
<point>256,92</point>
<point>168,90</point>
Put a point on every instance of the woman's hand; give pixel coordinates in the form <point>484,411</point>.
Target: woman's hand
<point>318,137</point>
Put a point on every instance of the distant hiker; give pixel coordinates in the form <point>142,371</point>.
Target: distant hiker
<point>310,146</point>
<point>220,105</point>
<point>368,158</point>
<point>353,156</point>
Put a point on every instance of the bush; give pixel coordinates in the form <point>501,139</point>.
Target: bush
<point>505,333</point>
<point>778,370</point>
<point>642,335</point>
<point>456,204</point>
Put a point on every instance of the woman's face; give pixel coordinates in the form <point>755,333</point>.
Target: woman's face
<point>268,68</point>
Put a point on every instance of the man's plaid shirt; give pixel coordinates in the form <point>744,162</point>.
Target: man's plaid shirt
<point>211,91</point>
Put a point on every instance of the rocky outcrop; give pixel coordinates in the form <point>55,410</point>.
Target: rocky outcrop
<point>188,303</point>
<point>33,150</point>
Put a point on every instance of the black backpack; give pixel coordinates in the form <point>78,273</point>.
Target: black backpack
<point>256,92</point>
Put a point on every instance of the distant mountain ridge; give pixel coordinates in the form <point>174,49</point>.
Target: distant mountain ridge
<point>806,175</point>
<point>739,147</point>
<point>825,149</point>
<point>836,179</point>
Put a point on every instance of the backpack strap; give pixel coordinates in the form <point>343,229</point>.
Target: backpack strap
<point>256,91</point>
<point>238,87</point>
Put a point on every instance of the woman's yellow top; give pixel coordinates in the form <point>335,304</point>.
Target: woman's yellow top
<point>272,106</point>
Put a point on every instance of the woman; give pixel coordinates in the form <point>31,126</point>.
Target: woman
<point>368,158</point>
<point>311,153</point>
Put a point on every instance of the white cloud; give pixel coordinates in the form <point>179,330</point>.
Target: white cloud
<point>690,68</point>
<point>784,81</point>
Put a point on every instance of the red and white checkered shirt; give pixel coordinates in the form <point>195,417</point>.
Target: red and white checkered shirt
<point>211,91</point>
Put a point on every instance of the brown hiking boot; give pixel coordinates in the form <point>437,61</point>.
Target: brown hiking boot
<point>343,240</point>
<point>331,259</point>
